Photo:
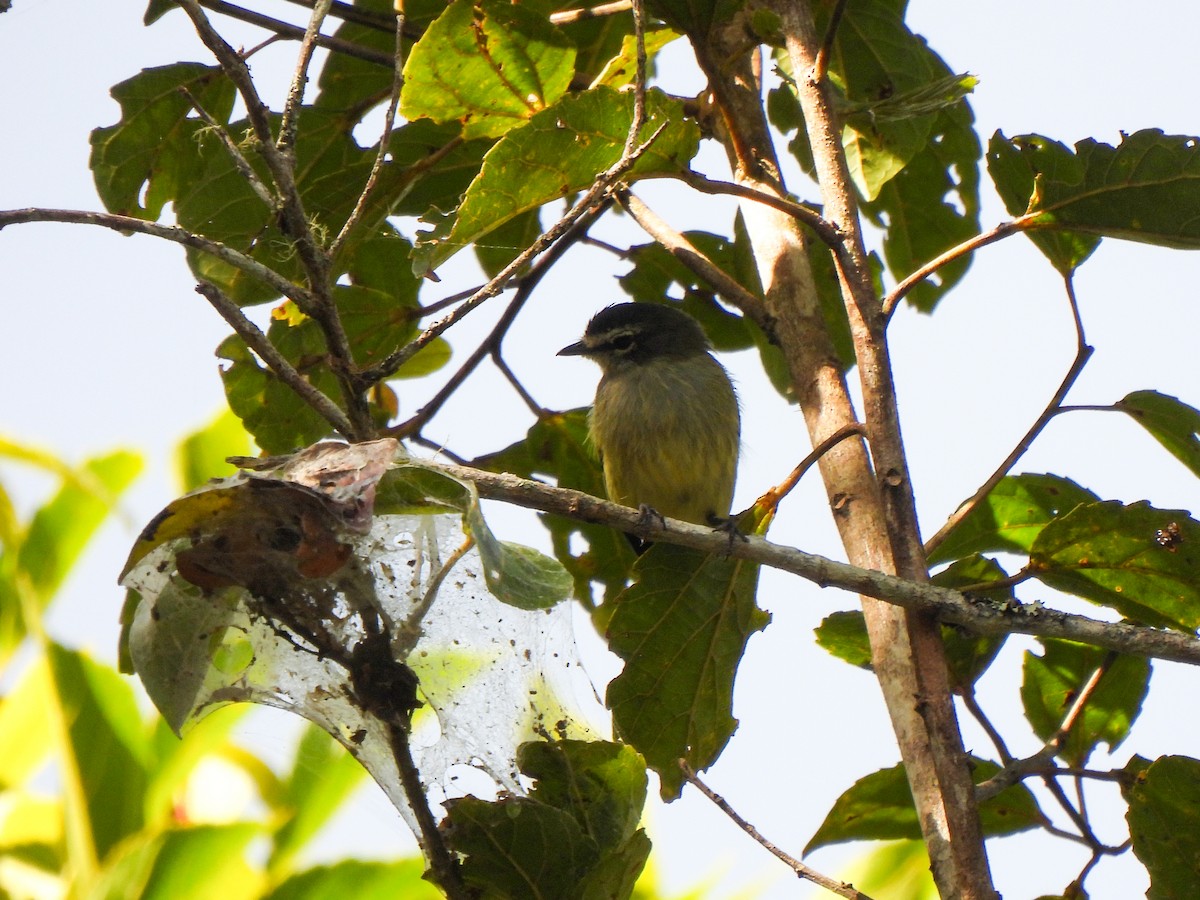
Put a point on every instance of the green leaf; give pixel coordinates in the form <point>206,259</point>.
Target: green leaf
<point>880,807</point>
<point>25,741</point>
<point>487,64</point>
<point>969,655</point>
<point>143,161</point>
<point>1164,824</point>
<point>557,446</point>
<point>195,863</point>
<point>574,836</point>
<point>695,18</point>
<point>361,880</point>
<point>518,848</point>
<point>61,529</point>
<point>271,411</point>
<point>681,629</point>
<point>620,69</point>
<point>1170,421</point>
<point>1017,168</point>
<point>323,777</point>
<point>557,153</point>
<point>876,58</point>
<point>201,455</point>
<point>413,184</point>
<point>602,784</point>
<point>1010,518</point>
<point>1144,189</point>
<point>517,575</point>
<point>107,746</point>
<point>931,205</point>
<point>844,634</point>
<point>1053,681</point>
<point>1116,556</point>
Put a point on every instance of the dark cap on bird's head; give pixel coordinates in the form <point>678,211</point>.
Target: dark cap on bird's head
<point>638,332</point>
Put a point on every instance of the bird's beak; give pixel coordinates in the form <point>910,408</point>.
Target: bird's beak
<point>579,348</point>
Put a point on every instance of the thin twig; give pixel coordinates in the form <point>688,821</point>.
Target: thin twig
<point>976,711</point>
<point>235,152</point>
<point>1083,353</point>
<point>295,33</point>
<point>773,497</point>
<point>825,230</point>
<point>491,344</point>
<point>821,64</point>
<point>569,16</point>
<point>261,345</point>
<point>685,251</point>
<point>295,97</point>
<point>389,121</point>
<point>944,603</point>
<point>1003,230</point>
<point>639,81</point>
<point>302,297</point>
<point>1022,768</point>
<point>514,382</point>
<point>594,196</point>
<point>841,888</point>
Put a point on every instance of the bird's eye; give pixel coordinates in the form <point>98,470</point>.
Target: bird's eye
<point>622,343</point>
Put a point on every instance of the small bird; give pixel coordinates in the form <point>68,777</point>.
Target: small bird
<point>666,419</point>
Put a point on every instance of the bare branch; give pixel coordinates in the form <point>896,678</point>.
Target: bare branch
<point>826,231</point>
<point>292,32</point>
<point>491,344</point>
<point>389,121</point>
<point>302,297</point>
<point>981,617</point>
<point>1022,768</point>
<point>595,196</point>
<point>568,16</point>
<point>261,344</point>
<point>1083,352</point>
<point>295,97</point>
<point>841,888</point>
<point>684,251</point>
<point>1003,230</point>
<point>293,221</point>
<point>235,152</point>
<point>821,66</point>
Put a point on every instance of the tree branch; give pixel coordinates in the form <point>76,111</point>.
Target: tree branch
<point>302,297</point>
<point>261,344</point>
<point>684,251</point>
<point>1003,230</point>
<point>292,219</point>
<point>292,32</point>
<point>979,616</point>
<point>389,121</point>
<point>907,649</point>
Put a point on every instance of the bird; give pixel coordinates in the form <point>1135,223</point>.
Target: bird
<point>666,420</point>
